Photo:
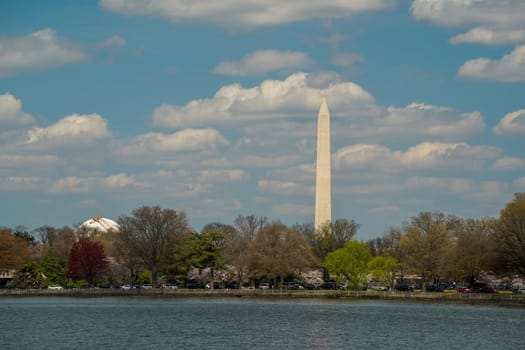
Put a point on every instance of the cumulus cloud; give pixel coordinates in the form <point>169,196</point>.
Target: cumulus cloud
<point>264,61</point>
<point>510,68</point>
<point>288,107</point>
<point>489,37</point>
<point>430,120</point>
<point>39,50</point>
<point>423,156</point>
<point>184,140</point>
<point>238,13</point>
<point>495,22</point>
<point>74,184</point>
<point>75,129</point>
<point>11,113</point>
<point>270,100</point>
<point>512,123</point>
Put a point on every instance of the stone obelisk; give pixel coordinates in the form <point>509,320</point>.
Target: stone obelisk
<point>323,190</point>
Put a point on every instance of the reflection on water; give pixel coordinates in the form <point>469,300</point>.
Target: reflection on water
<point>246,323</point>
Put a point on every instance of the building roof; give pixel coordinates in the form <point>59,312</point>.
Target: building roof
<point>99,224</point>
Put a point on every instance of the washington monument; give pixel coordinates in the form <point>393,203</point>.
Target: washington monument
<point>323,191</point>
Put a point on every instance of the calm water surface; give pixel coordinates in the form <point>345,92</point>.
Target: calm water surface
<point>193,323</point>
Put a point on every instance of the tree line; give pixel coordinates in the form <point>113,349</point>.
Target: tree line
<point>157,246</point>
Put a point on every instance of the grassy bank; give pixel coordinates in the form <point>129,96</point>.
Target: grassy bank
<point>469,298</point>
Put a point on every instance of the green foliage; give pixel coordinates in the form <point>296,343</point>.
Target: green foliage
<point>206,249</point>
<point>144,277</point>
<point>350,263</point>
<point>53,269</point>
<point>383,269</point>
<point>30,275</point>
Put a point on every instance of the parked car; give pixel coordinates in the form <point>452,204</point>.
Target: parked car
<point>520,290</point>
<point>376,286</point>
<point>464,289</point>
<point>264,286</point>
<point>55,287</point>
<point>125,287</point>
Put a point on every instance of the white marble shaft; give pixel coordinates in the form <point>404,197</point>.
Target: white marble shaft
<point>323,194</point>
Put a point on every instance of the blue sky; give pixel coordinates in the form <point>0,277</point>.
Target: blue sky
<point>210,107</point>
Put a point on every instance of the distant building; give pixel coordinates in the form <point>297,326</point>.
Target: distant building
<point>97,225</point>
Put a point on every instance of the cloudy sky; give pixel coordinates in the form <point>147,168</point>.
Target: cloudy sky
<point>210,107</point>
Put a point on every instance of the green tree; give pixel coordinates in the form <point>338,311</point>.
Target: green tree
<point>350,263</point>
<point>332,236</point>
<point>383,269</point>
<point>53,269</point>
<point>509,236</point>
<point>206,250</point>
<point>30,275</point>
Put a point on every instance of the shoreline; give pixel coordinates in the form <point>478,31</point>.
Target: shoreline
<point>499,299</point>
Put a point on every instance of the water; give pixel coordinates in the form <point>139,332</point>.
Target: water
<point>246,323</point>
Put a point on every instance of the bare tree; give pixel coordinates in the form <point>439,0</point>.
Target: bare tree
<point>426,242</point>
<point>509,236</point>
<point>249,225</point>
<point>46,234</point>
<point>150,232</point>
<point>277,251</point>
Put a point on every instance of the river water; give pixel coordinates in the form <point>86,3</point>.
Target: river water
<point>253,323</point>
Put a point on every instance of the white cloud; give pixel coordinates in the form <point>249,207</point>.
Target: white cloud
<point>272,99</point>
<point>38,50</point>
<point>74,184</point>
<point>113,42</point>
<point>282,187</point>
<point>264,61</point>
<point>346,59</point>
<point>489,37</point>
<point>508,163</point>
<point>440,155</point>
<point>222,175</point>
<point>511,124</point>
<point>284,108</point>
<point>239,13</point>
<point>510,68</point>
<point>16,161</point>
<point>431,120</point>
<point>75,129</point>
<point>463,12</point>
<point>495,22</point>
<point>363,155</point>
<point>184,140</point>
<point>423,156</point>
<point>11,113</point>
